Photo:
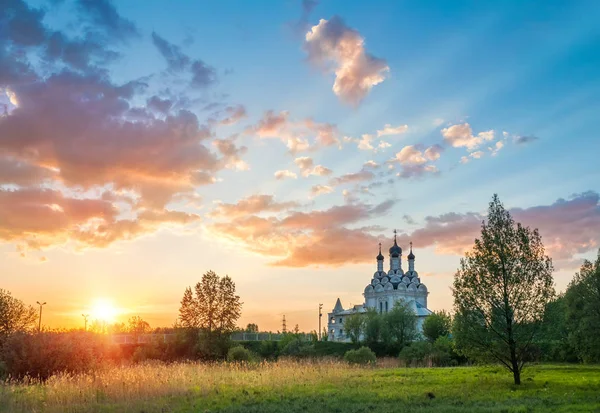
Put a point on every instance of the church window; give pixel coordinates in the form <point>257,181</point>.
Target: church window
<point>341,332</point>
<point>380,307</point>
<point>332,320</point>
<point>341,320</point>
<point>386,306</point>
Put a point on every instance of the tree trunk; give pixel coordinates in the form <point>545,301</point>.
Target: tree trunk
<point>516,374</point>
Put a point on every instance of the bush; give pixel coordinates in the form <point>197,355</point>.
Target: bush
<point>298,349</point>
<point>239,354</point>
<point>268,349</point>
<point>416,352</point>
<point>362,356</point>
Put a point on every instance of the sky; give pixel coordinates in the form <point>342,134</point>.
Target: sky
<point>278,142</point>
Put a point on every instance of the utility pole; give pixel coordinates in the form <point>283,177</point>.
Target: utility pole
<point>284,327</point>
<point>85,318</point>
<point>320,315</point>
<point>40,321</point>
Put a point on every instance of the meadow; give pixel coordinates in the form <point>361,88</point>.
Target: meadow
<point>324,386</point>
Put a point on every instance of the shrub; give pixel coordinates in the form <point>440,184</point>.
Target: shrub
<point>362,356</point>
<point>239,354</point>
<point>298,349</point>
<point>268,349</point>
<point>416,352</point>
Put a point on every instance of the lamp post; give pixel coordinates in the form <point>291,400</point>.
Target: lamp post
<point>320,315</point>
<point>85,318</point>
<point>40,321</point>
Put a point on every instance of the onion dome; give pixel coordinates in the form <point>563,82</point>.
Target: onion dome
<point>380,257</point>
<point>395,250</point>
<point>411,256</point>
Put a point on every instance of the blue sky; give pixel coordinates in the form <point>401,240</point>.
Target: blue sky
<point>505,95</point>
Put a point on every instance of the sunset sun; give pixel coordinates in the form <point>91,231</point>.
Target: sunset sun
<point>104,310</point>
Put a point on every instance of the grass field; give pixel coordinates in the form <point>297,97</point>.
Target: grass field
<point>304,387</point>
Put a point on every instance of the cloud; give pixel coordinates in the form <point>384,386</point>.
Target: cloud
<point>332,43</point>
<point>568,228</point>
<point>300,239</point>
<point>232,154</point>
<point>414,161</point>
<point>307,167</point>
<point>298,136</point>
<point>462,136</point>
<point>434,152</point>
<point>253,204</point>
<point>202,74</point>
<point>523,140</point>
<point>104,15</point>
<point>371,164</point>
<point>76,141</point>
<point>363,175</point>
<point>389,130</point>
<point>285,174</point>
<point>317,190</point>
<point>233,114</point>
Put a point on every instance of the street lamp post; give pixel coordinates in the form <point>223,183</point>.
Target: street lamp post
<point>85,319</point>
<point>320,315</point>
<point>40,320</point>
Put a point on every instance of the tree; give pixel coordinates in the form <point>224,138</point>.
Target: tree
<point>252,328</point>
<point>501,290</point>
<point>136,326</point>
<point>437,325</point>
<point>373,327</point>
<point>354,326</point>
<point>582,300</point>
<point>399,325</point>
<point>15,315</point>
<point>214,308</point>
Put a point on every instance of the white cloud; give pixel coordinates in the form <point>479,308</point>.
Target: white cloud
<point>389,130</point>
<point>320,190</point>
<point>356,71</point>
<point>410,155</point>
<point>285,174</point>
<point>462,136</point>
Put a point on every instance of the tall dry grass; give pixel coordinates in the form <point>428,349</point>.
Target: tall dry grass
<point>125,387</point>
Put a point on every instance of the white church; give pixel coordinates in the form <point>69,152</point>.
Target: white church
<point>384,290</point>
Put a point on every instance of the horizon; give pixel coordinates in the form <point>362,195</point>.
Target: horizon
<point>281,144</point>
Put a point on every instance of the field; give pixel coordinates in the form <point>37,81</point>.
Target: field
<point>309,387</point>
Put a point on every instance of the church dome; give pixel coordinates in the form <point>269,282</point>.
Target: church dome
<point>411,256</point>
<point>395,250</point>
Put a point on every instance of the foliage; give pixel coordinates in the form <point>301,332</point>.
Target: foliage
<point>354,326</point>
<point>437,325</point>
<point>136,326</point>
<point>213,308</point>
<point>306,387</point>
<point>373,327</point>
<point>298,349</point>
<point>399,326</point>
<point>252,328</point>
<point>416,352</point>
<point>500,292</point>
<point>362,356</point>
<point>582,301</point>
<point>15,315</point>
<point>239,353</point>
<point>269,350</point>
<point>43,354</point>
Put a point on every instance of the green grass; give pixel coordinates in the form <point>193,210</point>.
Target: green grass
<point>304,387</point>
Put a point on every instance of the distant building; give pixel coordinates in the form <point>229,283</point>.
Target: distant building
<point>384,290</point>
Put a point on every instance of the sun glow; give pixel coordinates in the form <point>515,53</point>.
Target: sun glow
<point>104,310</point>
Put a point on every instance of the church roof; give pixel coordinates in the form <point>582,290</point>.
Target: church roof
<point>395,250</point>
<point>338,306</point>
<point>411,256</point>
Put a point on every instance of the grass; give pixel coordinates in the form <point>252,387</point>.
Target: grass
<point>308,387</point>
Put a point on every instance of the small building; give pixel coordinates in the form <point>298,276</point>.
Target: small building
<point>384,290</point>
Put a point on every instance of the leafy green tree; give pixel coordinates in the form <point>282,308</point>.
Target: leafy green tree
<point>214,308</point>
<point>373,327</point>
<point>437,325</point>
<point>354,326</point>
<point>399,325</point>
<point>137,326</point>
<point>252,328</point>
<point>501,290</point>
<point>582,300</point>
<point>15,315</point>
<point>324,335</point>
